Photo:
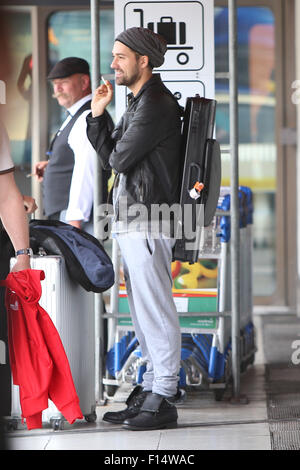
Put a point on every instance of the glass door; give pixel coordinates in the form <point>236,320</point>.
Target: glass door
<point>259,78</point>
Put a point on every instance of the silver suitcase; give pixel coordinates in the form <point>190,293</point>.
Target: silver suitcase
<point>71,309</point>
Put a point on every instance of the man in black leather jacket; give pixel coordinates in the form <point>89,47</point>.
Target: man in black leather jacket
<point>144,152</point>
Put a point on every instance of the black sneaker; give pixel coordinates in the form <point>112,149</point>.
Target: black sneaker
<point>133,402</point>
<point>156,413</point>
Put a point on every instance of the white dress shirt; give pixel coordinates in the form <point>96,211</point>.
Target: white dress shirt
<point>82,184</point>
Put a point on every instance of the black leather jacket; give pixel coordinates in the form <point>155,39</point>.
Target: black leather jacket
<point>144,148</point>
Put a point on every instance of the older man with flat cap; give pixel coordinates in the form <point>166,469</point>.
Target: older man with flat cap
<point>144,151</point>
<point>68,174</point>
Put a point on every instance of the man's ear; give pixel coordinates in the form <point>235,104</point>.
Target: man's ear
<point>85,82</point>
<point>144,61</point>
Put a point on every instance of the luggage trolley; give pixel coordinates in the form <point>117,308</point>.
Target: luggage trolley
<point>204,313</point>
<point>248,347</point>
<point>205,326</point>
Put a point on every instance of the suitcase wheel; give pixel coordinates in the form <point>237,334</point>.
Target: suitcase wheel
<point>57,424</point>
<point>91,418</point>
<point>11,425</point>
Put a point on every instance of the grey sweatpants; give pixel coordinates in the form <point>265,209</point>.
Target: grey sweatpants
<point>147,271</point>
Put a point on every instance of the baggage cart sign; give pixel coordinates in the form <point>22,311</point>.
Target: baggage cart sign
<point>188,27</point>
<point>185,43</point>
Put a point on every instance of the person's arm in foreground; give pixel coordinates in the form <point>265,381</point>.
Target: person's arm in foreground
<point>13,216</point>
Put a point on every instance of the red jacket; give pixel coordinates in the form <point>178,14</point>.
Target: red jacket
<point>38,360</point>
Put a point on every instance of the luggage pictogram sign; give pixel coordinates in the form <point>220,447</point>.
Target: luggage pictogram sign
<point>176,23</point>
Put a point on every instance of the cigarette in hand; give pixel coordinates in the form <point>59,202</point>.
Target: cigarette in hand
<point>103,80</point>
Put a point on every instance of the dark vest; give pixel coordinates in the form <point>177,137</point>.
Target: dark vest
<point>58,174</point>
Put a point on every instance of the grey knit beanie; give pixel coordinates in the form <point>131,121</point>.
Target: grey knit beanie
<point>145,42</point>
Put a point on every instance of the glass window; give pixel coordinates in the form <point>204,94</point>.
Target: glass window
<point>18,93</point>
<point>69,34</point>
<point>257,106</point>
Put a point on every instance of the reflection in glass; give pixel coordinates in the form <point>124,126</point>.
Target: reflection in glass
<point>18,90</point>
<point>257,148</point>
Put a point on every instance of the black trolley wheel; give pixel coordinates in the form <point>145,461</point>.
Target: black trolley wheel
<point>91,418</point>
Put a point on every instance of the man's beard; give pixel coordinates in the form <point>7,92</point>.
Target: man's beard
<point>128,80</point>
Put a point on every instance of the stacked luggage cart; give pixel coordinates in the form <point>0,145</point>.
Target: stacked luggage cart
<point>202,294</point>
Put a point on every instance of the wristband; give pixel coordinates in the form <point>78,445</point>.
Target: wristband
<point>24,251</point>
